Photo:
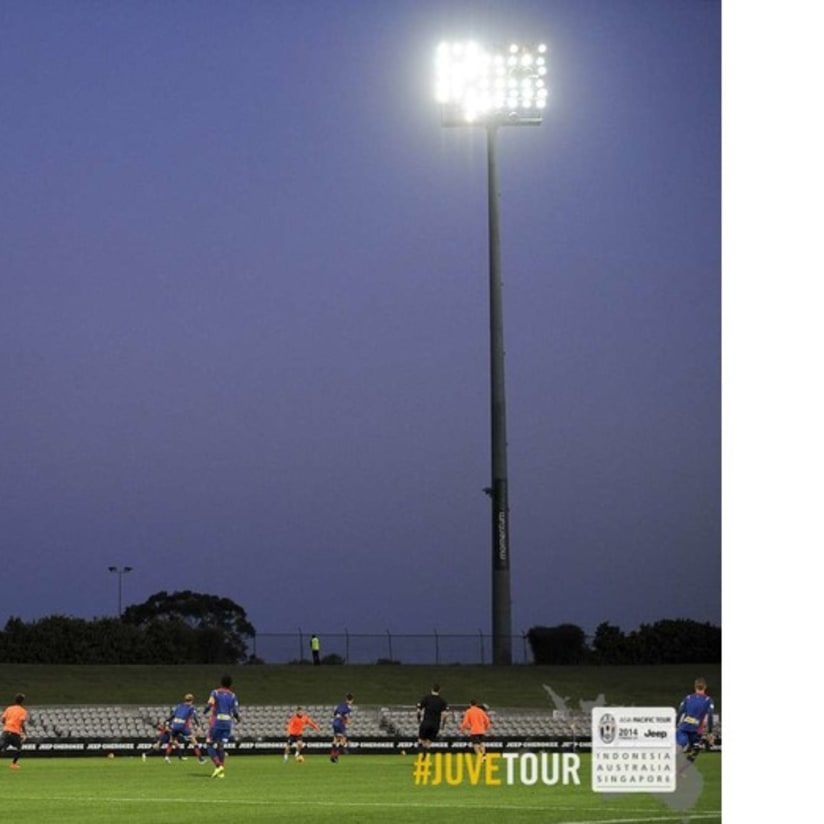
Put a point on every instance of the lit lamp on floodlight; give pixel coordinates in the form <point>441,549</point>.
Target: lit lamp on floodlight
<point>504,86</point>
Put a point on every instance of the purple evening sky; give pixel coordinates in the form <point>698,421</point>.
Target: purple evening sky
<point>244,329</point>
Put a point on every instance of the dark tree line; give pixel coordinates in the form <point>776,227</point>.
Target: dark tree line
<point>169,628</point>
<point>670,641</point>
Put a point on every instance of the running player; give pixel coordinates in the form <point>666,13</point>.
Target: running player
<point>14,719</point>
<point>477,722</point>
<point>694,721</point>
<point>223,710</point>
<point>294,733</point>
<point>181,732</point>
<point>432,711</point>
<point>340,722</point>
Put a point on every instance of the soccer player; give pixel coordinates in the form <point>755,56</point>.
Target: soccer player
<point>164,736</point>
<point>432,711</point>
<point>314,643</point>
<point>694,720</point>
<point>294,733</point>
<point>180,722</point>
<point>340,721</point>
<point>14,728</point>
<point>223,709</point>
<point>477,722</point>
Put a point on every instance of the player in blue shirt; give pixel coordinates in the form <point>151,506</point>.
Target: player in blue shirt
<point>184,716</point>
<point>340,721</point>
<point>164,736</point>
<point>223,709</point>
<point>694,720</point>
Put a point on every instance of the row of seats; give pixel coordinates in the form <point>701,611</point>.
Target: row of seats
<point>115,722</point>
<point>143,721</point>
<point>403,721</point>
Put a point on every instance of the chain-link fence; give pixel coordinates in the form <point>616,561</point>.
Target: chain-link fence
<point>371,648</point>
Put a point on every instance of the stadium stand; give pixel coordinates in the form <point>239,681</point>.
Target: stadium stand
<point>139,724</point>
<point>518,723</point>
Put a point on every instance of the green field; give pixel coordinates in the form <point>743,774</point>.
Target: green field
<point>521,686</point>
<point>357,789</point>
<point>360,788</point>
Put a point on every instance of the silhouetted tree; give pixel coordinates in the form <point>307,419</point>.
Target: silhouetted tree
<point>563,644</point>
<point>675,641</point>
<point>220,630</point>
<point>58,639</point>
<point>609,644</point>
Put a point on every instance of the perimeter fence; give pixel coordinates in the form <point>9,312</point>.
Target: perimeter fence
<point>387,647</point>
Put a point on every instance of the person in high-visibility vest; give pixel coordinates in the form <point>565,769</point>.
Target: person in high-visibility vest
<point>315,645</point>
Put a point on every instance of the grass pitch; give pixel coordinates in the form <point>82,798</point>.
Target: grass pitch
<point>521,686</point>
<point>360,788</point>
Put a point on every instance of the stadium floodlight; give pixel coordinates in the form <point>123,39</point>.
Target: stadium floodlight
<point>120,572</point>
<point>505,85</point>
<point>502,86</point>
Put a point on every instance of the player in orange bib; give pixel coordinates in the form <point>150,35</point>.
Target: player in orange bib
<point>294,733</point>
<point>14,728</point>
<point>477,722</point>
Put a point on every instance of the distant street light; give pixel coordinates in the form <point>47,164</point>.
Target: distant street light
<point>120,572</point>
<point>506,86</point>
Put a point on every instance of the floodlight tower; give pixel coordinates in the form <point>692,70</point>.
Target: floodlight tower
<point>503,86</point>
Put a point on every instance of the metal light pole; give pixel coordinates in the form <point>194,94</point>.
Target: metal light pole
<point>120,572</point>
<point>492,88</point>
<point>501,590</point>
